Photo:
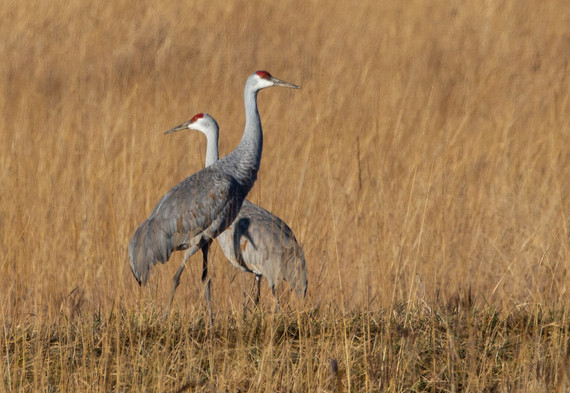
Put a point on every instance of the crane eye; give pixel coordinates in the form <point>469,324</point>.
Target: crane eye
<point>196,117</point>
<point>263,74</point>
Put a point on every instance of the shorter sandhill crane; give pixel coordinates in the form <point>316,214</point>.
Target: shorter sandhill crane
<point>257,241</point>
<point>195,211</point>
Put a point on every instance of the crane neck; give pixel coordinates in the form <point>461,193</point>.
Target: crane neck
<point>252,131</point>
<point>243,163</point>
<point>212,153</point>
<point>248,152</point>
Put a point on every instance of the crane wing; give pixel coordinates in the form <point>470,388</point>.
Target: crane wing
<point>201,206</point>
<point>268,223</point>
<point>258,236</point>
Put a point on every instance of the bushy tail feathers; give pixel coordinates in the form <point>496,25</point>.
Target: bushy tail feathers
<point>296,270</point>
<point>148,246</point>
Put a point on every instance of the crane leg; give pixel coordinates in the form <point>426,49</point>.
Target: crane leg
<point>258,282</point>
<point>206,281</point>
<point>276,299</point>
<point>205,250</point>
<point>176,278</point>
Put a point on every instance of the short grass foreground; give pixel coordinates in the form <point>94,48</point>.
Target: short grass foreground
<point>460,347</point>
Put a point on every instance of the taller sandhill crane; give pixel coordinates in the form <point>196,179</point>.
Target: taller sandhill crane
<point>195,211</point>
<point>257,241</point>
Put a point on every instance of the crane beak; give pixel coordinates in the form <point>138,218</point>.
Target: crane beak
<point>279,82</point>
<point>183,126</point>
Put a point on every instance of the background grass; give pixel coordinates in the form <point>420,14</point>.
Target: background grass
<point>423,166</point>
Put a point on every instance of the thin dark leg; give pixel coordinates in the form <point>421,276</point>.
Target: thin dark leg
<point>258,282</point>
<point>206,281</point>
<point>176,279</point>
<point>205,250</point>
<point>276,299</point>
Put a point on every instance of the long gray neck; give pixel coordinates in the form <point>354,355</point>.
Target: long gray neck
<point>245,159</point>
<point>212,153</point>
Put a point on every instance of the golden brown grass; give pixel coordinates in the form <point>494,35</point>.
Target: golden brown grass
<point>423,166</point>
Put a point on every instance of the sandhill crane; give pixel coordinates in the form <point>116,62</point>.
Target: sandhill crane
<point>257,241</point>
<point>195,211</point>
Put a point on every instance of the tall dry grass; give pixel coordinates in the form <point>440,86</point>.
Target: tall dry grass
<point>424,163</point>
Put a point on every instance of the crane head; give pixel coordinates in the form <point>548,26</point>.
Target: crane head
<point>200,122</point>
<point>263,79</point>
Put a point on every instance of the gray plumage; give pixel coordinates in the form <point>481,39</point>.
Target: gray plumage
<point>257,241</point>
<point>170,228</point>
<point>194,212</point>
<point>261,243</point>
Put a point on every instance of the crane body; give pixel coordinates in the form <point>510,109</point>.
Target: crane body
<point>195,211</point>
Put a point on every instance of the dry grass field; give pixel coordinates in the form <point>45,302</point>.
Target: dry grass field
<point>424,166</point>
